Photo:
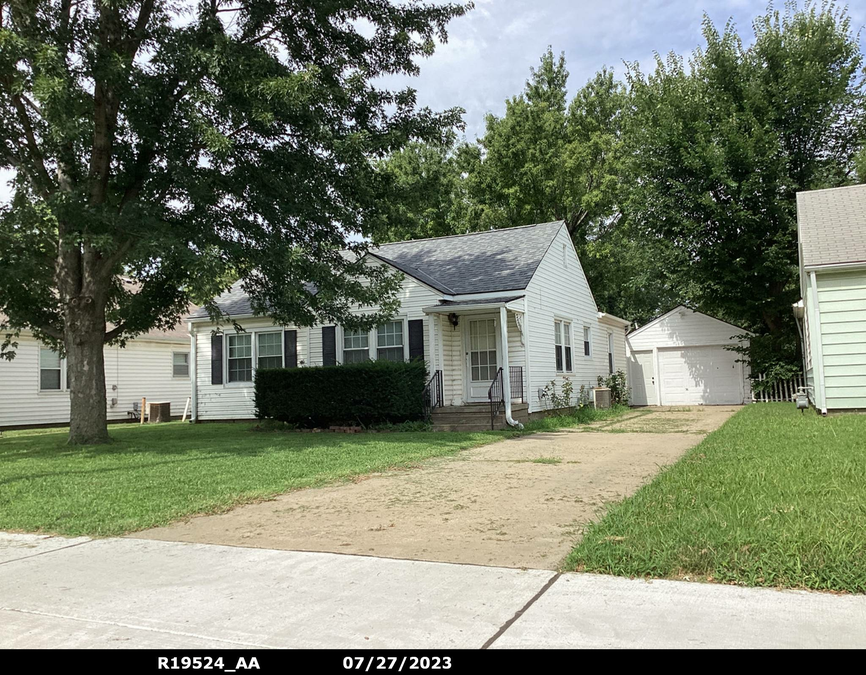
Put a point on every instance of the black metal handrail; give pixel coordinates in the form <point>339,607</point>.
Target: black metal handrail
<point>518,390</point>
<point>433,396</point>
<point>496,398</point>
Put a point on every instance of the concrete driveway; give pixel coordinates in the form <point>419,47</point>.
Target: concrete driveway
<point>519,503</point>
<point>117,593</point>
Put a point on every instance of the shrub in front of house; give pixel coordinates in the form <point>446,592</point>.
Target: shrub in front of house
<point>376,392</point>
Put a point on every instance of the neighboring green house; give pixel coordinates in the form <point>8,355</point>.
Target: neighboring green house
<point>832,312</point>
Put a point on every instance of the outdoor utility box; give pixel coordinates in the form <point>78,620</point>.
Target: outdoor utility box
<point>159,412</point>
<point>602,398</point>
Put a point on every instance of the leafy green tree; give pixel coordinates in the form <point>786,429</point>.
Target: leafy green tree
<point>184,143</point>
<point>720,147</point>
<point>548,159</point>
<point>426,193</point>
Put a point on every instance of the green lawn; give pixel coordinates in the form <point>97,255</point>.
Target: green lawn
<point>773,498</point>
<point>154,474</point>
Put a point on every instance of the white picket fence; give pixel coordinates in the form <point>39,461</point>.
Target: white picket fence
<point>783,391</point>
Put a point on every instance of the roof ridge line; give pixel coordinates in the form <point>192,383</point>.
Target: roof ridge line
<point>469,234</point>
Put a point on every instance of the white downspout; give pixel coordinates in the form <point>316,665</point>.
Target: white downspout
<point>817,344</point>
<point>506,375</point>
<point>193,374</point>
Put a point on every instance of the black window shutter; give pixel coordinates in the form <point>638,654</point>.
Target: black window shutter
<point>290,349</point>
<point>329,345</point>
<point>416,340</point>
<point>216,358</point>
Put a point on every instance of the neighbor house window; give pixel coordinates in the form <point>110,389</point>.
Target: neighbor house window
<point>389,341</point>
<point>240,357</point>
<point>562,342</point>
<point>610,353</point>
<point>356,346</point>
<point>587,341</point>
<point>269,350</point>
<point>180,364</point>
<point>50,370</point>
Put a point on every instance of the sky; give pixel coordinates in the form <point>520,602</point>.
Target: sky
<point>491,49</point>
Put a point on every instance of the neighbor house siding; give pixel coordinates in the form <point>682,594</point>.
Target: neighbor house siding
<point>842,306</point>
<point>141,369</point>
<point>559,290</point>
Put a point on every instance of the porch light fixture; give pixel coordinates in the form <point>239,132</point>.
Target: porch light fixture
<point>453,319</point>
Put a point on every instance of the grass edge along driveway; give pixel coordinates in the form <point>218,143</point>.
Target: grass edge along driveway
<point>155,474</point>
<point>772,498</point>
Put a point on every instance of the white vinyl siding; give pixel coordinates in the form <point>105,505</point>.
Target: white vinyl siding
<point>237,401</point>
<point>842,305</point>
<point>558,290</point>
<point>141,369</point>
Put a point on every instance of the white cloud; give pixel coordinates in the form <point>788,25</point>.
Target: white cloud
<point>491,49</point>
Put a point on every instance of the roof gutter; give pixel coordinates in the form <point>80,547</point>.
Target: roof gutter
<point>835,266</point>
<point>610,318</point>
<point>512,305</point>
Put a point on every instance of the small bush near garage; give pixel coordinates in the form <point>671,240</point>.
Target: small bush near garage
<point>376,392</point>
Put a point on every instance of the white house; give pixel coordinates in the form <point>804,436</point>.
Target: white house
<point>831,315</point>
<point>155,365</point>
<point>508,307</point>
<point>681,358</point>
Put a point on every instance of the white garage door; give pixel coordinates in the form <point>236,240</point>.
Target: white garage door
<point>700,376</point>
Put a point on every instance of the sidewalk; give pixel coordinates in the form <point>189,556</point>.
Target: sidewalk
<point>117,593</point>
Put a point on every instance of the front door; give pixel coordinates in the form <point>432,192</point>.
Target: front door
<point>482,357</point>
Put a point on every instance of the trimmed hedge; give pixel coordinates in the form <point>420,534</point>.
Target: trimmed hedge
<point>375,392</point>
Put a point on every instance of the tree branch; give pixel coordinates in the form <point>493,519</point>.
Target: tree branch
<point>114,332</point>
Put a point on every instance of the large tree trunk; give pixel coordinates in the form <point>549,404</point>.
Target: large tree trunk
<point>85,333</point>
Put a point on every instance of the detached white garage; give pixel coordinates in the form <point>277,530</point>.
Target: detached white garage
<point>680,359</point>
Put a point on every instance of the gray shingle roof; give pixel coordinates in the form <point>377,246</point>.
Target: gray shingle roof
<point>832,225</point>
<point>480,262</point>
<point>234,302</point>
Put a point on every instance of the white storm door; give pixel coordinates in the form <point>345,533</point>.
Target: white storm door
<point>482,357</point>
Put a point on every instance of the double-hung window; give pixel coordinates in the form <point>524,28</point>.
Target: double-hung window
<point>50,370</point>
<point>610,353</point>
<point>587,341</point>
<point>562,342</point>
<point>356,346</point>
<point>269,350</point>
<point>389,341</point>
<point>240,357</point>
<point>180,364</point>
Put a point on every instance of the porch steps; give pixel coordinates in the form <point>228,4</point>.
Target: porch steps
<point>475,417</point>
